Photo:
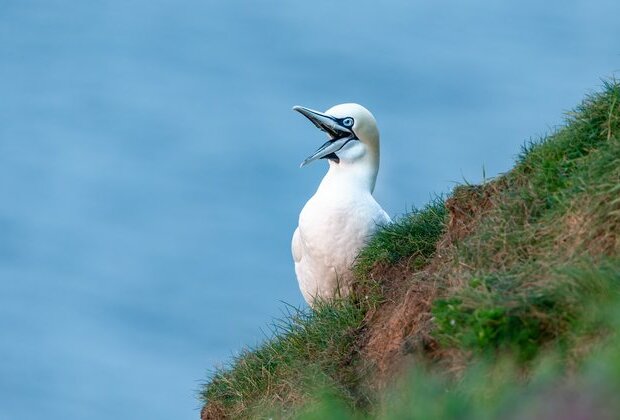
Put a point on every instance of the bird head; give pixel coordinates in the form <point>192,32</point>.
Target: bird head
<point>353,135</point>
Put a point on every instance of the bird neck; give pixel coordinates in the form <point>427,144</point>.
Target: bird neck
<point>353,177</point>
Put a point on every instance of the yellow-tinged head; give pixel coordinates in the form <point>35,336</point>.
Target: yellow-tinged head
<point>353,135</point>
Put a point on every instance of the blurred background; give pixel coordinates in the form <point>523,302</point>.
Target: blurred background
<point>149,180</point>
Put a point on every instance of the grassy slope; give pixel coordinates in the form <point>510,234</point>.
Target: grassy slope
<point>527,287</point>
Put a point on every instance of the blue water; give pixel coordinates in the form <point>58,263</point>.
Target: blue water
<point>149,179</point>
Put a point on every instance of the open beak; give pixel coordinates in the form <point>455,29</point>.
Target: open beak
<point>339,134</point>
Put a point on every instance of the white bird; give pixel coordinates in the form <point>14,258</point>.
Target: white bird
<point>342,215</point>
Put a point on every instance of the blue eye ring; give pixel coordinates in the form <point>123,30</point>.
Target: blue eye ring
<point>348,122</point>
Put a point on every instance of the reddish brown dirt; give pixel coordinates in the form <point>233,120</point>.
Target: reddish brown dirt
<point>400,327</point>
<point>212,412</point>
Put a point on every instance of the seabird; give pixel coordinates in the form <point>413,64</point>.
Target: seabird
<point>342,215</point>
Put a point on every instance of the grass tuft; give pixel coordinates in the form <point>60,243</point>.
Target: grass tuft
<point>413,237</point>
<point>308,350</point>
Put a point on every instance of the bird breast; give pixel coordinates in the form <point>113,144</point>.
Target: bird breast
<point>338,226</point>
<point>332,230</point>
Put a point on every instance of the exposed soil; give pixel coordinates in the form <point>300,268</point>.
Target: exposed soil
<point>400,327</point>
<point>212,412</point>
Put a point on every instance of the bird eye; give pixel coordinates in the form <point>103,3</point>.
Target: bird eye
<point>347,122</point>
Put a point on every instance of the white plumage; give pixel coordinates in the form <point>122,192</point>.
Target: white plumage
<point>342,215</point>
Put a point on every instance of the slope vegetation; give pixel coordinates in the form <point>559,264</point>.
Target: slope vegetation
<point>502,299</point>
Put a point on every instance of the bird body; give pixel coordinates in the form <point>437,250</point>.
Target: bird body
<point>342,215</point>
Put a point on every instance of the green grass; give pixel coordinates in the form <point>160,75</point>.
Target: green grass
<point>485,319</point>
<point>309,350</point>
<point>525,311</point>
<point>412,237</point>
